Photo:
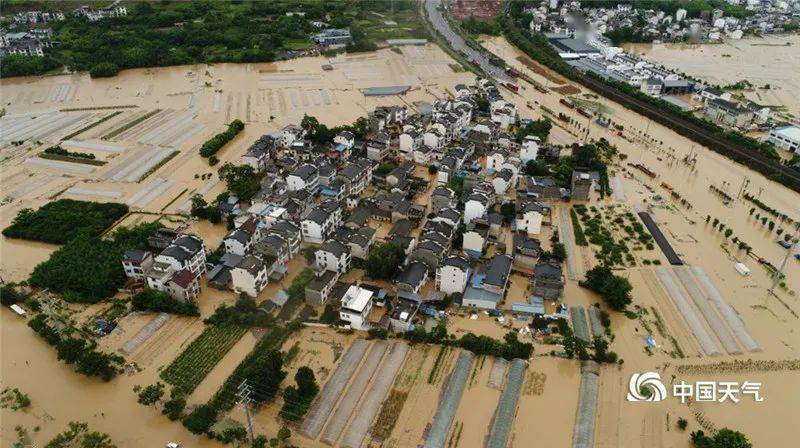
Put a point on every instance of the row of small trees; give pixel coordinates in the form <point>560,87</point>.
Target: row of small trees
<point>215,143</point>
<point>78,351</point>
<point>728,232</point>
<point>771,224</point>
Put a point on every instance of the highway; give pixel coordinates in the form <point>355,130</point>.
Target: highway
<point>457,43</point>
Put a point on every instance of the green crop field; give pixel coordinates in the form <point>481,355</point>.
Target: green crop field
<point>199,358</point>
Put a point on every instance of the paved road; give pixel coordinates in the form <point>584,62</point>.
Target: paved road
<point>457,43</point>
<point>568,237</point>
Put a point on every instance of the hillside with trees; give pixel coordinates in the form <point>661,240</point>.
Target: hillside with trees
<point>166,33</point>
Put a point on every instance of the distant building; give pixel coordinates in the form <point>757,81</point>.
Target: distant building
<point>728,113</point>
<point>333,38</point>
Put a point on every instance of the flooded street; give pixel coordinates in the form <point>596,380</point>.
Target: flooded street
<point>59,395</point>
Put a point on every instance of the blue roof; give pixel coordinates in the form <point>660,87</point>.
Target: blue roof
<point>477,280</point>
<point>526,308</point>
<point>472,254</point>
<point>325,191</point>
<point>341,147</point>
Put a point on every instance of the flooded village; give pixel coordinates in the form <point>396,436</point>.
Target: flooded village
<point>382,248</point>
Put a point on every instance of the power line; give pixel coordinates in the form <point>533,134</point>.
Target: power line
<point>243,395</point>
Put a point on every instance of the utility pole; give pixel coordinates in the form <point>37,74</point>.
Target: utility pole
<point>776,277</point>
<point>745,183</point>
<point>243,398</point>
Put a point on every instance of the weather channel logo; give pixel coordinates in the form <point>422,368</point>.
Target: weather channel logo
<point>646,386</point>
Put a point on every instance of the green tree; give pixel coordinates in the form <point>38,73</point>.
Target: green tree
<point>173,408</point>
<point>536,168</point>
<point>259,442</point>
<point>329,314</point>
<point>10,296</point>
<point>104,70</point>
<point>539,128</point>
<point>724,438</point>
<point>242,180</point>
<point>151,394</point>
<point>378,333</point>
<point>383,261</point>
<point>70,350</point>
<point>614,290</point>
<point>104,365</point>
<point>234,433</point>
<point>161,302</point>
<point>201,419</point>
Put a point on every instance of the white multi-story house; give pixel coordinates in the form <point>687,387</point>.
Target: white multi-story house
<point>356,305</point>
<point>434,138</point>
<point>450,216</point>
<point>410,140</point>
<point>345,138</point>
<point>503,113</point>
<point>529,150</point>
<point>321,222</point>
<point>185,252</point>
<point>452,275</point>
<point>239,240</point>
<point>136,263</point>
<point>529,218</point>
<point>333,256</point>
<point>378,146</point>
<point>304,177</point>
<point>786,137</point>
<point>475,239</point>
<point>504,179</point>
<point>250,276</point>
<point>475,207</point>
<point>495,159</point>
<point>184,285</point>
<point>289,134</point>
<point>355,176</point>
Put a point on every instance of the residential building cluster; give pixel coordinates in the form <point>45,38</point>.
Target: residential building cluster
<point>26,34</point>
<point>577,34</point>
<point>435,181</point>
<point>768,16</point>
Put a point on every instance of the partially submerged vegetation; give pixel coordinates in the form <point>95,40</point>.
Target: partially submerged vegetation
<point>72,348</point>
<point>509,348</point>
<point>212,146</point>
<point>614,290</point>
<point>88,269</point>
<point>161,302</point>
<point>60,221</point>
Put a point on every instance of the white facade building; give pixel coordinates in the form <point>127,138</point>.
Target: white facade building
<point>452,275</point>
<point>356,305</point>
<point>787,137</point>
